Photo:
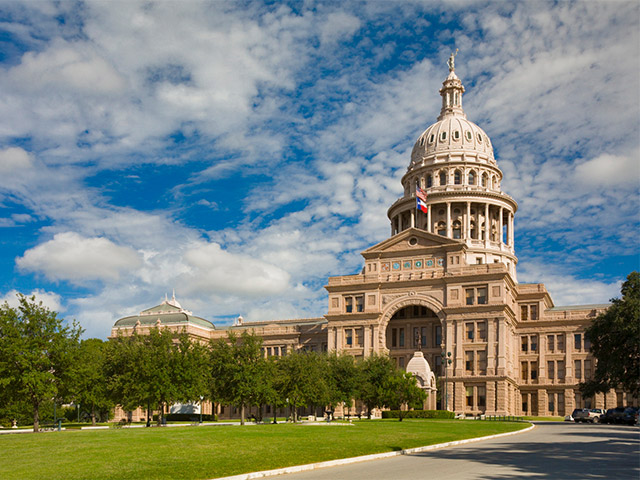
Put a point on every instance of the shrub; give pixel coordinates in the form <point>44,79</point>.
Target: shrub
<point>419,414</point>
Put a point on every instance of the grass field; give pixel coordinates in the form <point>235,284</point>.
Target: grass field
<point>214,451</point>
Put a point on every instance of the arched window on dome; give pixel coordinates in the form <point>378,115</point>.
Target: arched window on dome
<point>494,234</point>
<point>474,230</point>
<point>457,229</point>
<point>468,134</point>
<point>494,182</point>
<point>472,177</point>
<point>443,177</point>
<point>483,231</point>
<point>457,177</point>
<point>484,179</point>
<point>429,181</point>
<point>442,229</point>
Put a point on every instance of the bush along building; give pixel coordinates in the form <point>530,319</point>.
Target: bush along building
<point>444,286</point>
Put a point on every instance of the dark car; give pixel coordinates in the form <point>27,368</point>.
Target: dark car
<point>612,415</point>
<point>629,416</point>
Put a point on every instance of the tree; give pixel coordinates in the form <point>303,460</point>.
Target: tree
<point>88,387</point>
<point>153,370</point>
<point>343,378</point>
<point>615,343</point>
<point>238,371</point>
<point>375,372</point>
<point>37,351</point>
<point>402,390</point>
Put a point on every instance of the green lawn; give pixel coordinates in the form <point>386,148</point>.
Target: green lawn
<point>214,451</point>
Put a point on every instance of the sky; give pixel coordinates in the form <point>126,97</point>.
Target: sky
<point>240,153</point>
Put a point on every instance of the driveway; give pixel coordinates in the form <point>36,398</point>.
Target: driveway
<point>552,450</point>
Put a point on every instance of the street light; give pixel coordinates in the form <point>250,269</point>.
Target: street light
<point>201,398</point>
<point>446,361</point>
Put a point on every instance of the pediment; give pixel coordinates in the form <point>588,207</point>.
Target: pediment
<point>412,240</point>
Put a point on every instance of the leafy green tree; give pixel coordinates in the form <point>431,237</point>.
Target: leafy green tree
<point>37,351</point>
<point>375,372</point>
<point>154,370</point>
<point>88,387</point>
<point>239,371</point>
<point>615,343</point>
<point>302,380</point>
<point>343,378</point>
<point>402,390</point>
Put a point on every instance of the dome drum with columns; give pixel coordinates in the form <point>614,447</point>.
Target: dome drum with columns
<point>443,284</point>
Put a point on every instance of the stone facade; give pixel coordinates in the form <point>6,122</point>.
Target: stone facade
<point>445,284</point>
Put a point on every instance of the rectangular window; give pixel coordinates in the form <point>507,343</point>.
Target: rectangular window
<point>439,371</point>
<point>525,344</point>
<point>482,362</point>
<point>534,370</point>
<point>482,295</point>
<point>577,369</point>
<point>416,336</point>
<point>551,404</point>
<point>551,343</point>
<point>469,397</point>
<point>438,336</point>
<point>401,337</point>
<point>560,368</point>
<point>470,296</point>
<point>534,312</point>
<point>283,350</point>
<point>470,331</point>
<point>401,362</point>
<point>348,304</point>
<point>423,336</point>
<point>533,341</point>
<point>394,337</point>
<point>560,343</point>
<point>482,331</point>
<point>551,370</point>
<point>482,397</point>
<point>524,371</point>
<point>524,313</point>
<point>587,369</point>
<point>348,337</point>
<point>359,337</point>
<point>577,341</point>
<point>360,303</point>
<point>468,362</point>
<point>587,344</point>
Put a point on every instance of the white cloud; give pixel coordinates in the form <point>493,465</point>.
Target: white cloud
<point>51,300</point>
<point>608,170</point>
<point>69,256</point>
<point>338,25</point>
<point>14,160</point>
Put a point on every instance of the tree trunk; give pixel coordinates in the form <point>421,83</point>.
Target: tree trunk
<point>275,413</point>
<point>242,414</point>
<point>93,414</point>
<point>36,417</point>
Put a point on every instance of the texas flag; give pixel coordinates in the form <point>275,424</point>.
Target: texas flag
<point>421,199</point>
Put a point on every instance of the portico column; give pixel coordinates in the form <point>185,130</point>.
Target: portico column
<point>449,220</point>
<point>500,227</point>
<point>467,226</point>
<point>413,218</point>
<point>429,218</point>
<point>487,229</point>
<point>511,229</point>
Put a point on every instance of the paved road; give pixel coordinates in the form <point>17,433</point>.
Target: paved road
<point>549,451</point>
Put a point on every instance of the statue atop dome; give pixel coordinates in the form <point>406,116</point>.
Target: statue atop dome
<point>452,61</point>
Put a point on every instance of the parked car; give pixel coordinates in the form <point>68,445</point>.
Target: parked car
<point>629,416</point>
<point>613,415</point>
<point>572,417</point>
<point>587,415</point>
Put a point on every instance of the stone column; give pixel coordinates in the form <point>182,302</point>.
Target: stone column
<point>429,229</point>
<point>501,397</point>
<point>543,402</point>
<point>491,346</point>
<point>413,217</point>
<point>502,347</point>
<point>500,234</point>
<point>449,235</point>
<point>491,398</point>
<point>511,229</point>
<point>467,223</point>
<point>487,226</point>
<point>367,340</point>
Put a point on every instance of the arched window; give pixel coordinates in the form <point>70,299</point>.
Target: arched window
<point>443,178</point>
<point>472,177</point>
<point>442,229</point>
<point>494,183</point>
<point>457,177</point>
<point>494,234</point>
<point>482,232</point>
<point>429,181</point>
<point>484,179</point>
<point>457,229</point>
<point>474,230</point>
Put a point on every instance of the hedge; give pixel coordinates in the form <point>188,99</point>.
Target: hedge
<point>187,417</point>
<point>418,414</point>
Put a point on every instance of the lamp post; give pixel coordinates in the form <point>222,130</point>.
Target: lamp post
<point>201,398</point>
<point>446,361</point>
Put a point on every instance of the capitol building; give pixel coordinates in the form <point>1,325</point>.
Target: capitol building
<point>442,286</point>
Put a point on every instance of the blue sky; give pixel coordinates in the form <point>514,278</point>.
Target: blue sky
<point>242,152</point>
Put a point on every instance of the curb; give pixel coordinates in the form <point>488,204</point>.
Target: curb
<point>363,458</point>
